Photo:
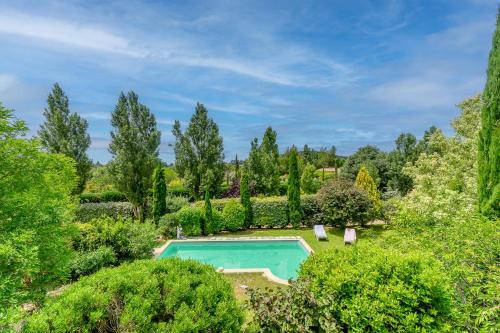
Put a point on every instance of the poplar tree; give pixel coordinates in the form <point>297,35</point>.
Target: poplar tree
<point>489,136</point>
<point>134,145</point>
<point>365,182</point>
<point>159,193</point>
<point>199,153</point>
<point>65,133</point>
<point>245,199</point>
<point>294,211</point>
<point>208,222</point>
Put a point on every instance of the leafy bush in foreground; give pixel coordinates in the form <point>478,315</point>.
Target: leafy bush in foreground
<point>360,289</point>
<point>342,204</point>
<point>86,263</point>
<point>380,290</point>
<point>89,211</point>
<point>168,295</point>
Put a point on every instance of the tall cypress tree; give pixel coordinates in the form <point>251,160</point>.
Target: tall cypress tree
<point>66,133</point>
<point>245,199</point>
<point>489,136</point>
<point>208,222</point>
<point>294,211</point>
<point>159,193</point>
<point>134,145</point>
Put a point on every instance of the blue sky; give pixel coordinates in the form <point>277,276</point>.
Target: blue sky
<point>343,73</point>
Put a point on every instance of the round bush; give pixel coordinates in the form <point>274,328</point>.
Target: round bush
<point>233,216</point>
<point>368,289</point>
<point>167,225</point>
<point>217,222</point>
<point>342,203</point>
<point>174,203</point>
<point>190,220</point>
<point>167,295</point>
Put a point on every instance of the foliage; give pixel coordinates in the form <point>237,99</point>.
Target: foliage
<point>207,222</point>
<point>89,211</point>
<point>174,203</point>
<point>190,219</point>
<point>270,212</point>
<point>407,151</point>
<point>311,212</point>
<point>86,263</point>
<point>134,146</point>
<point>263,164</point>
<point>445,183</point>
<point>343,204</point>
<point>372,290</point>
<point>170,175</point>
<point>35,206</point>
<point>308,183</point>
<point>291,309</point>
<point>199,156</point>
<point>233,191</point>
<point>108,196</point>
<point>489,136</point>
<point>373,159</point>
<point>100,180</point>
<point>293,195</point>
<point>159,193</point>
<point>167,226</point>
<point>233,216</point>
<point>66,133</point>
<point>128,240</point>
<point>245,199</point>
<point>168,295</point>
<point>365,182</point>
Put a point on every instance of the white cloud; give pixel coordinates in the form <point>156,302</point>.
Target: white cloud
<point>6,82</point>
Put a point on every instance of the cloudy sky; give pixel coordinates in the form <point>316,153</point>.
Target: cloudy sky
<point>343,73</point>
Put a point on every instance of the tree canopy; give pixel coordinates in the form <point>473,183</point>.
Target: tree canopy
<point>66,133</point>
<point>199,153</point>
<point>134,145</point>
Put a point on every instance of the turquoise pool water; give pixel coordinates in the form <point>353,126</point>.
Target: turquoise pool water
<point>282,257</point>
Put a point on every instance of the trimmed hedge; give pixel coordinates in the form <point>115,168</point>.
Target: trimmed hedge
<point>89,211</point>
<point>167,295</point>
<point>190,219</point>
<point>233,216</point>
<point>108,196</point>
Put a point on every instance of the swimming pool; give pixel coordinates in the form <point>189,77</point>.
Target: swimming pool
<point>281,257</point>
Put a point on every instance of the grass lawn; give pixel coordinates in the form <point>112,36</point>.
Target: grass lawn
<point>335,235</point>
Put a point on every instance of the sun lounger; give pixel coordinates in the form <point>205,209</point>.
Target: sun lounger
<point>349,236</point>
<point>320,232</point>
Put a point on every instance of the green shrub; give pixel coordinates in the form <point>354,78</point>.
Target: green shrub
<point>174,203</point>
<point>177,191</point>
<point>167,226</point>
<point>89,211</point>
<point>233,216</point>
<point>168,295</point>
<point>217,223</point>
<point>311,212</point>
<point>190,219</point>
<point>342,203</point>
<point>369,289</point>
<point>108,196</point>
<point>129,240</point>
<point>86,263</point>
<point>270,212</point>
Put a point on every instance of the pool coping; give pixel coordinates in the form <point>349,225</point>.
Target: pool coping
<point>265,271</point>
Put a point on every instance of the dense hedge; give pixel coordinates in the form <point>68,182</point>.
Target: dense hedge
<point>167,295</point>
<point>190,219</point>
<point>108,196</point>
<point>233,216</point>
<point>89,211</point>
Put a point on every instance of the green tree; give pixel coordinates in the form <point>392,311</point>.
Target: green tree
<point>237,167</point>
<point>365,181</point>
<point>308,182</point>
<point>263,164</point>
<point>294,211</point>
<point>199,153</point>
<point>35,207</point>
<point>489,137</point>
<point>134,145</point>
<point>159,193</point>
<point>245,199</point>
<point>208,218</point>
<point>375,160</point>
<point>406,151</point>
<point>66,133</point>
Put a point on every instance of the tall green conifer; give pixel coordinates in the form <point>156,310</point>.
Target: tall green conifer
<point>245,198</point>
<point>159,193</point>
<point>294,210</point>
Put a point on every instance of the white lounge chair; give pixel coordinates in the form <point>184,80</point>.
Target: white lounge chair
<point>320,232</point>
<point>349,236</point>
